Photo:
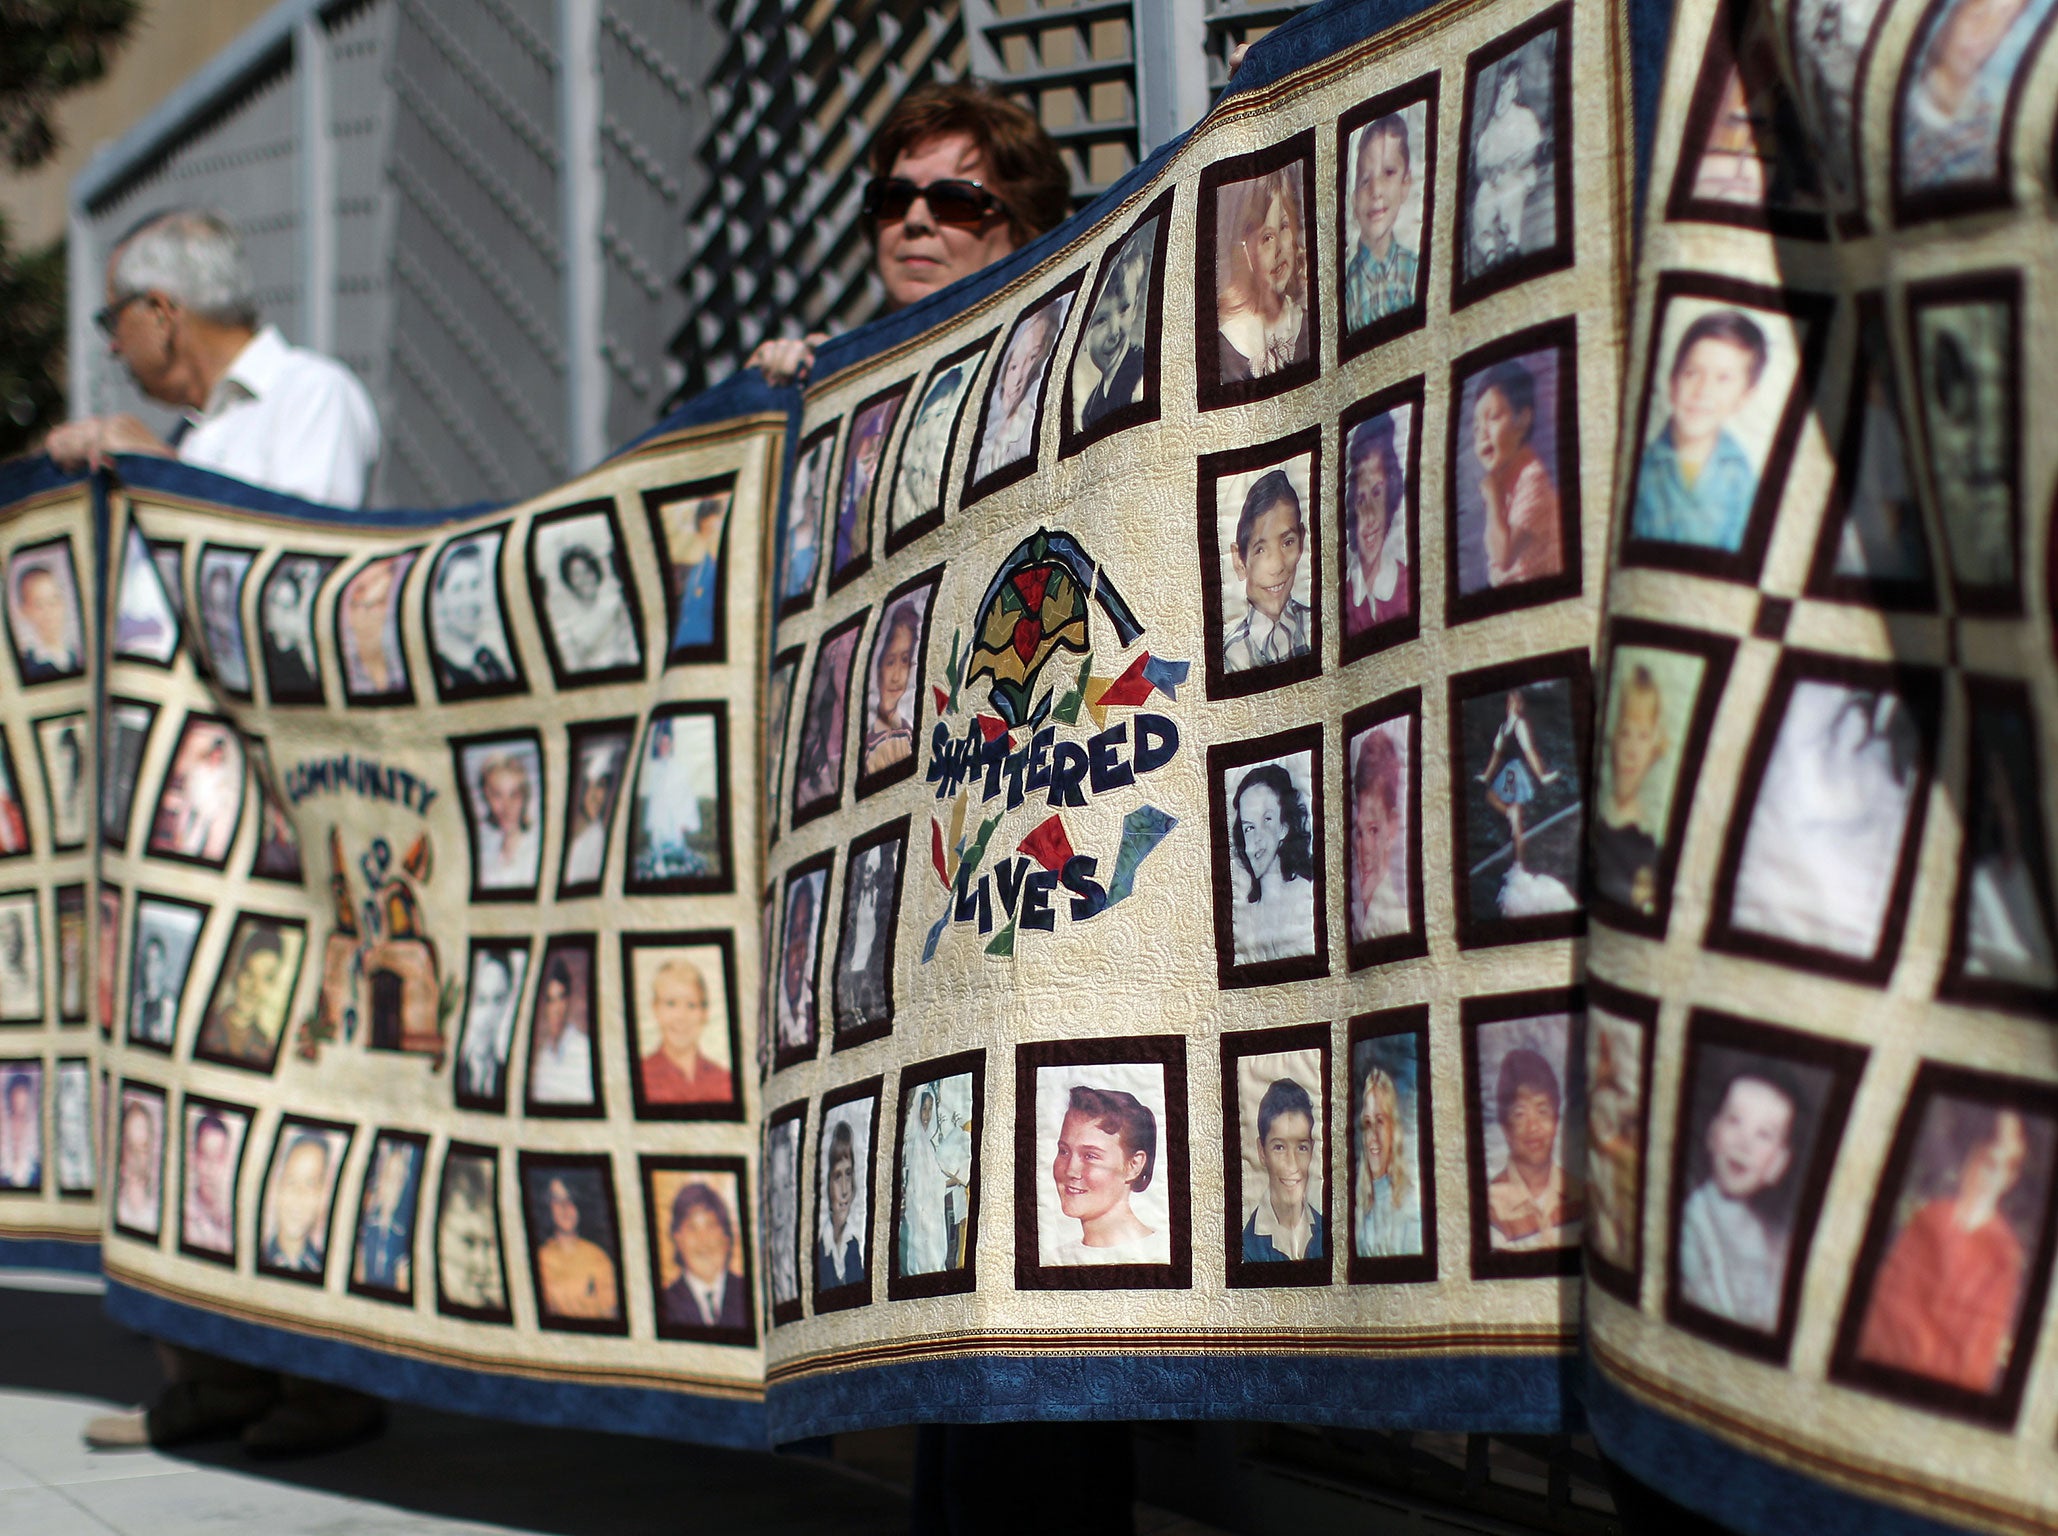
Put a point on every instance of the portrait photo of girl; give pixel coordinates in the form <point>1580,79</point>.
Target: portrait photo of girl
<point>893,689</point>
<point>1273,898</point>
<point>1379,582</point>
<point>1392,1231</point>
<point>1256,327</point>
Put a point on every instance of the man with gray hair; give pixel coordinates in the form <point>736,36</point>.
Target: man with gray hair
<point>182,316</point>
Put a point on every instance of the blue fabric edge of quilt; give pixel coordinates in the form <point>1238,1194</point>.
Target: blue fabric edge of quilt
<point>72,1255</point>
<point>1508,1394</point>
<point>1731,1486</point>
<point>660,1413</point>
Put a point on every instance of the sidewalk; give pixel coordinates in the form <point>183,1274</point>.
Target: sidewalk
<point>431,1474</point>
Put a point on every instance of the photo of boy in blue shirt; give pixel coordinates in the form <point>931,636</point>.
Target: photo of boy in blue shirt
<point>1696,482</point>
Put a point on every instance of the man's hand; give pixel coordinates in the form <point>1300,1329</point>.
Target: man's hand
<point>786,359</point>
<point>91,442</point>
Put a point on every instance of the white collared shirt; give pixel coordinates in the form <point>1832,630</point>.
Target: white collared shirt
<point>289,420</point>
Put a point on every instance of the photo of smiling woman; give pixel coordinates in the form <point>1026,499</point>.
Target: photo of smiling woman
<point>1100,1129</point>
<point>1272,871</point>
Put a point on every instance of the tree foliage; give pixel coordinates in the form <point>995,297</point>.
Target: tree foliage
<point>47,49</point>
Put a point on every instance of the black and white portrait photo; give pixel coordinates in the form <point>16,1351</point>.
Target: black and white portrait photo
<point>582,590</point>
<point>818,774</point>
<point>865,939</point>
<point>916,503</point>
<point>1114,377</point>
<point>127,734</point>
<point>471,1274</point>
<point>784,1133</point>
<point>1011,419</point>
<point>1270,921</point>
<point>61,742</point>
<point>285,627</point>
<point>796,1004</point>
<point>21,959</point>
<point>1513,211</point>
<point>493,990</point>
<point>220,580</point>
<point>467,629</point>
<point>167,931</point>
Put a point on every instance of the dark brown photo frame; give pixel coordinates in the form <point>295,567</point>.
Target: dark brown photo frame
<point>1212,469</point>
<point>644,1040</point>
<point>1503,1008</point>
<point>892,834</point>
<point>860,689</point>
<point>929,519</point>
<point>943,1282</point>
<point>1561,337</point>
<point>287,1127</point>
<point>1407,395</point>
<point>712,883</point>
<point>1148,408</point>
<point>857,1293</point>
<point>404,561</point>
<point>821,440</point>
<point>396,1295</point>
<point>1808,315</point>
<point>894,399</point>
<point>295,690</point>
<point>823,864</point>
<point>1214,392</point>
<point>1406,1268</point>
<point>1870,364</point>
<point>624,568</point>
<point>1642,1013</point>
<point>472,1152</point>
<point>474,813</point>
<point>1843,1063</point>
<point>978,486</point>
<point>1715,652</point>
<point>656,1223</point>
<point>1242,1274</point>
<point>534,1168</point>
<point>227,554</point>
<point>1477,930</point>
<point>784,1312</point>
<point>1919,204</point>
<point>1998,1408</point>
<point>1167,1052</point>
<point>595,1107</point>
<point>1425,90</point>
<point>1558,255</point>
<point>1222,758</point>
<point>1404,705</point>
<point>1920,690</point>
<point>655,502</point>
<point>223,1109</point>
<point>517,680</point>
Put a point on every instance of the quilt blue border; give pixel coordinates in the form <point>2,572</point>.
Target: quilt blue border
<point>660,1414</point>
<point>1739,1490</point>
<point>79,1256</point>
<point>1512,1395</point>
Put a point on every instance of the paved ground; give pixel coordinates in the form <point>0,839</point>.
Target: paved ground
<point>432,1474</point>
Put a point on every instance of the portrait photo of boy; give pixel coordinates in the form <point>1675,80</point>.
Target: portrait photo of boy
<point>167,933</point>
<point>680,1025</point>
<point>285,627</point>
<point>382,1257</point>
<point>1257,541</point>
<point>699,1248</point>
<point>293,1218</point>
<point>468,640</point>
<point>1750,1125</point>
<point>1112,373</point>
<point>1530,1177</point>
<point>1721,376</point>
<point>1387,171</point>
<point>43,613</point>
<point>214,1153</point>
<point>1281,1118</point>
<point>795,1006</point>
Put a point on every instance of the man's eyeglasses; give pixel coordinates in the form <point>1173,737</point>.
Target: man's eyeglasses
<point>106,319</point>
<point>959,204</point>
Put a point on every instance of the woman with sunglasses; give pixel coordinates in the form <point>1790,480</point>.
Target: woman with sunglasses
<point>962,177</point>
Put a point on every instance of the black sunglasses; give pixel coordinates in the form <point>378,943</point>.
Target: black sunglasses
<point>960,204</point>
<point>107,318</point>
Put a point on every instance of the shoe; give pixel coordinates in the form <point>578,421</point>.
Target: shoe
<point>311,1417</point>
<point>185,1411</point>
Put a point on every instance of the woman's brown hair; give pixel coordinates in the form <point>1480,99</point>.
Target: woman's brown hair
<point>1029,174</point>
